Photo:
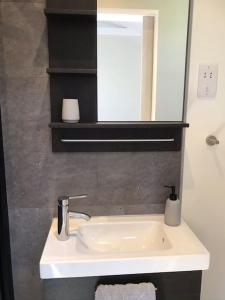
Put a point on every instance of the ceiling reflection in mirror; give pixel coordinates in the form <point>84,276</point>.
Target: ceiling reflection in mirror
<point>141,59</point>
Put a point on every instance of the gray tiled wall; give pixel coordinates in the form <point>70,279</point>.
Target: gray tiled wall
<point>117,183</point>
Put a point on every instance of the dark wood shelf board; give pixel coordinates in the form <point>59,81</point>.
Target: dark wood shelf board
<point>71,71</point>
<point>62,125</point>
<point>101,138</point>
<point>71,12</point>
<point>72,4</point>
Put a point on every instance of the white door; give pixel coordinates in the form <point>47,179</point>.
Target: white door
<point>203,192</point>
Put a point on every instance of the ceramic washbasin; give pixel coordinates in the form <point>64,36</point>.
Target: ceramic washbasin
<point>116,245</point>
<point>125,236</point>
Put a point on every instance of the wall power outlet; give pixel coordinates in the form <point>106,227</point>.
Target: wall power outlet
<point>208,80</point>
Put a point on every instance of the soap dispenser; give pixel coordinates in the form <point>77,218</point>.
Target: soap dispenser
<point>173,208</point>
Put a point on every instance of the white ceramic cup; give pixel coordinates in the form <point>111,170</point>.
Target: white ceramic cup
<point>70,111</point>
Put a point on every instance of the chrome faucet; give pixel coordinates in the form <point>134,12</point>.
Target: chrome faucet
<point>64,214</point>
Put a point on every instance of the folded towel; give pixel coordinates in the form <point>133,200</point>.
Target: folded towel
<point>142,291</point>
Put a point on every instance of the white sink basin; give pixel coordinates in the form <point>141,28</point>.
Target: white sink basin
<point>122,245</point>
<point>122,237</point>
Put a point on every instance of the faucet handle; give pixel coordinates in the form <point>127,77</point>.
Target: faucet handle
<point>77,197</point>
<point>64,200</point>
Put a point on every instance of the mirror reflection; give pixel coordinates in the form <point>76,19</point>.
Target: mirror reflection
<point>141,59</point>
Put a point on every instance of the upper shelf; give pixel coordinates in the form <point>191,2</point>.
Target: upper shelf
<point>72,12</point>
<point>61,125</point>
<point>71,71</point>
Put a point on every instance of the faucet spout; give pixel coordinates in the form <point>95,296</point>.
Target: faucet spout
<point>79,215</point>
<point>64,214</point>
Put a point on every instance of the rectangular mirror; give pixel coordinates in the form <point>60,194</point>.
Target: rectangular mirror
<point>141,59</point>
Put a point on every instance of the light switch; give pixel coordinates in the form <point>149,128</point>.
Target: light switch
<point>207,81</point>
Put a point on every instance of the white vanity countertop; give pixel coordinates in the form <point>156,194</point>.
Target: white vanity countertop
<point>65,260</point>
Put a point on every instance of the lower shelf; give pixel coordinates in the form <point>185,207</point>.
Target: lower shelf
<point>116,139</point>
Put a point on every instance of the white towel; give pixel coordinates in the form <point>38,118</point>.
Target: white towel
<point>142,291</point>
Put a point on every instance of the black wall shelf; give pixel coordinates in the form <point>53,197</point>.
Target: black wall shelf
<point>71,71</point>
<point>72,41</point>
<point>120,125</point>
<point>92,138</point>
<point>79,5</point>
<point>60,11</point>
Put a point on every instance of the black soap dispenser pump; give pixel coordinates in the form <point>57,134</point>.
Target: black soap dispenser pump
<point>173,208</point>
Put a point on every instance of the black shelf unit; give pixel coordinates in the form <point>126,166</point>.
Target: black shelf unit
<point>110,136</point>
<point>120,124</point>
<point>72,42</point>
<point>60,11</point>
<point>78,5</point>
<point>71,71</point>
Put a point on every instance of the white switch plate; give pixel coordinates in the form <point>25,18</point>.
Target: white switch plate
<point>207,81</point>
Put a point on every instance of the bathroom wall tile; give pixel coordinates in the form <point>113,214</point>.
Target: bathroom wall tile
<point>24,39</point>
<point>1,49</point>
<point>27,282</point>
<point>153,167</point>
<point>42,183</point>
<point>2,72</point>
<point>27,99</point>
<point>26,138</point>
<point>70,174</point>
<point>78,171</point>
<point>26,115</point>
<point>117,196</point>
<point>28,232</point>
<point>101,210</point>
<point>112,209</point>
<point>155,170</point>
<point>26,180</point>
<point>51,191</point>
<point>147,208</point>
<point>141,177</point>
<point>115,169</point>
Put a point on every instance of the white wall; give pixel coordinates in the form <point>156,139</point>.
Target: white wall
<point>204,168</point>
